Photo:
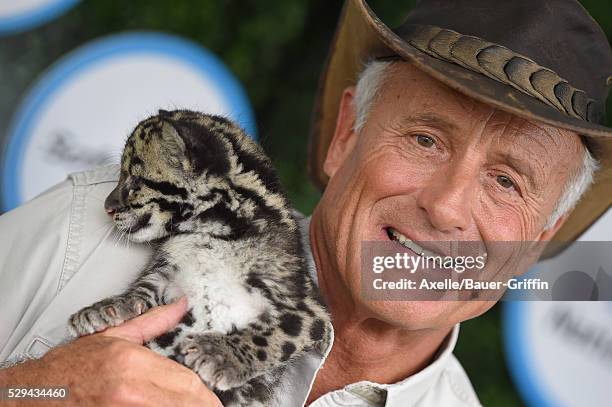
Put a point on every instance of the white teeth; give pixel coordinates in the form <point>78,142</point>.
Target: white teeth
<point>404,241</point>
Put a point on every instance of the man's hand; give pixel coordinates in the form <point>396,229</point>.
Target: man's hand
<point>112,368</point>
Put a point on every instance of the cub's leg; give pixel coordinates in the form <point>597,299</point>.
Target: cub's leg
<point>225,361</point>
<point>146,292</point>
<point>257,392</point>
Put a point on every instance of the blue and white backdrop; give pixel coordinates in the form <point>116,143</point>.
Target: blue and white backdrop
<point>78,113</point>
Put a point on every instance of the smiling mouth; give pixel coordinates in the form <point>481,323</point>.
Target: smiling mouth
<point>397,237</point>
<point>409,244</point>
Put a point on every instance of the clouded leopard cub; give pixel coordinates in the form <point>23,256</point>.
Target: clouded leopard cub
<point>226,238</point>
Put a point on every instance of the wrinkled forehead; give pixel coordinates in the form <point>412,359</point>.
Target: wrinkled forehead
<point>408,96</point>
<point>515,133</point>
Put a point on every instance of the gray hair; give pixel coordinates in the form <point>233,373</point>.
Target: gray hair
<point>371,79</point>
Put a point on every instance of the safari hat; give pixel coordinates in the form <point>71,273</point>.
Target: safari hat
<point>544,60</point>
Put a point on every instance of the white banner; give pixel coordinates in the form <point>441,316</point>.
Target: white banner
<point>560,352</point>
<point>20,15</point>
<point>81,111</point>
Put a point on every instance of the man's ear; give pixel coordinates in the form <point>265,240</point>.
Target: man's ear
<point>548,234</point>
<point>345,137</point>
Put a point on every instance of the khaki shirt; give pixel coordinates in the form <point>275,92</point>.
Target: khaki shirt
<point>59,252</point>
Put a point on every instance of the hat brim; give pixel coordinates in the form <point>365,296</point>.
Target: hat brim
<point>361,36</point>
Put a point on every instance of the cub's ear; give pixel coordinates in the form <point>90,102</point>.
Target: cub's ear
<point>173,146</point>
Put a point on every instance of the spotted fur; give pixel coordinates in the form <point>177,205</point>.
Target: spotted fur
<point>224,234</point>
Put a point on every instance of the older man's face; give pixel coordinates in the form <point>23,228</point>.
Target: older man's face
<point>436,165</point>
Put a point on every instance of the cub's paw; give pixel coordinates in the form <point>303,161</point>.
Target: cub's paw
<point>215,360</point>
<point>105,314</point>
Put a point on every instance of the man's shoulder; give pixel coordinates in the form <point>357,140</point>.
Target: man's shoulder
<point>67,217</point>
<point>60,252</point>
<point>63,198</point>
<point>98,175</point>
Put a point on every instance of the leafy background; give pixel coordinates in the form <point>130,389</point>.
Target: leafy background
<point>277,50</point>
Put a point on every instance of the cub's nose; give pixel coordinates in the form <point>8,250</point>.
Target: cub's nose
<point>112,203</point>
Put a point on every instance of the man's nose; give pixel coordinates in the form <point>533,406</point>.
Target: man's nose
<point>447,199</point>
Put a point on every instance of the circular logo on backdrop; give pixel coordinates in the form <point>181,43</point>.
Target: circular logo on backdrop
<point>78,115</point>
<point>20,15</point>
<point>560,352</point>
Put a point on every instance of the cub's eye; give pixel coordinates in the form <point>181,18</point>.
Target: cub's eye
<point>425,141</point>
<point>133,182</point>
<point>505,182</point>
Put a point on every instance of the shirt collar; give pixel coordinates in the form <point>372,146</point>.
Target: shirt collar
<point>406,391</point>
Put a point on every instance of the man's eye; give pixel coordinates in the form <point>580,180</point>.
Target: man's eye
<point>425,141</point>
<point>505,181</point>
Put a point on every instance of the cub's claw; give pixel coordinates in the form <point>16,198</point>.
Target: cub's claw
<point>105,314</point>
<point>214,360</point>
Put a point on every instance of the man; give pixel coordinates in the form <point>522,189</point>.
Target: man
<point>441,139</point>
